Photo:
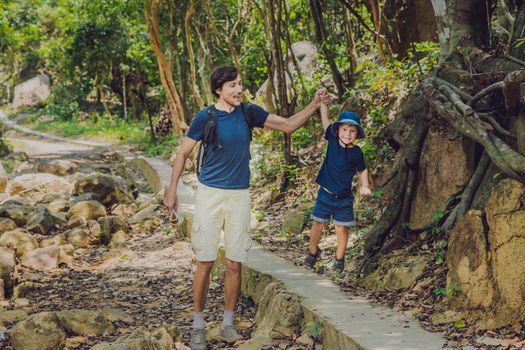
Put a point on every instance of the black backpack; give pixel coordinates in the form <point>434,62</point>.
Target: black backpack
<point>210,138</point>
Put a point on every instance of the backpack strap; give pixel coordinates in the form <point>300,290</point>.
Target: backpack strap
<point>209,136</point>
<point>247,112</point>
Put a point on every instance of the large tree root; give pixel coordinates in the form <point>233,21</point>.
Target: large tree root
<point>465,120</point>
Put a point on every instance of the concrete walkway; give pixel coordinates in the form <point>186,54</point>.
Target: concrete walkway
<point>350,322</point>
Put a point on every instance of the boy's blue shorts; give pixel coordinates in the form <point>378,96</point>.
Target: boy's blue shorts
<point>328,205</point>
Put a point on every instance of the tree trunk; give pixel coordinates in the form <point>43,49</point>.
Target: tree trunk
<point>191,57</point>
<point>172,96</point>
<point>317,14</point>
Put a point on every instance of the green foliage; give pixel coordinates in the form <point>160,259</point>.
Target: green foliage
<point>441,251</point>
<point>449,291</point>
<point>314,328</point>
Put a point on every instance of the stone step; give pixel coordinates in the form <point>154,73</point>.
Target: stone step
<point>340,321</point>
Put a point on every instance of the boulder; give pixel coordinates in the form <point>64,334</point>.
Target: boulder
<point>110,189</point>
<point>10,316</point>
<point>306,54</point>
<point>40,331</point>
<point>32,92</point>
<point>47,258</point>
<point>7,266</point>
<point>74,221</point>
<point>144,214</point>
<point>29,184</point>
<point>485,258</point>
<point>118,240</point>
<point>58,167</point>
<point>56,240</point>
<point>40,221</point>
<point>293,221</point>
<point>6,225</point>
<point>468,261</point>
<point>58,205</point>
<point>396,271</point>
<point>16,212</point>
<point>88,196</point>
<point>87,210</point>
<point>20,240</point>
<point>444,171</point>
<point>85,322</point>
<point>78,237</point>
<point>125,210</point>
<point>3,179</point>
<point>50,197</point>
<point>159,339</point>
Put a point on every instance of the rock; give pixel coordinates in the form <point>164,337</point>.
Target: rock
<point>446,317</point>
<point>305,339</point>
<point>506,220</point>
<point>7,266</point>
<point>10,316</point>
<point>88,196</point>
<point>40,331</point>
<point>485,258</point>
<point>58,205</point>
<point>16,212</point>
<point>6,225</point>
<point>144,214</point>
<point>50,197</point>
<point>2,290</point>
<point>444,171</point>
<point>23,289</point>
<point>20,240</point>
<point>111,189</point>
<point>119,240</point>
<point>467,260</point>
<point>32,92</point>
<point>293,221</point>
<point>489,341</point>
<point>40,221</point>
<point>159,339</point>
<point>110,225</point>
<point>279,313</point>
<point>47,258</point>
<point>22,302</point>
<point>3,178</point>
<point>75,221</point>
<point>115,314</point>
<point>56,240</point>
<point>29,184</point>
<point>58,167</point>
<point>396,271</point>
<point>306,54</point>
<point>78,237</point>
<point>87,210</point>
<point>85,322</point>
<point>125,210</point>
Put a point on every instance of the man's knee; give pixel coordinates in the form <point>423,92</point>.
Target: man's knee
<point>233,267</point>
<point>205,266</point>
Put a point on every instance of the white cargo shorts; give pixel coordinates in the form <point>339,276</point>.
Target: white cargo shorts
<point>217,210</point>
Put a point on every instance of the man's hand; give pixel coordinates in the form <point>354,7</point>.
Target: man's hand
<point>364,191</point>
<point>322,96</point>
<point>171,200</point>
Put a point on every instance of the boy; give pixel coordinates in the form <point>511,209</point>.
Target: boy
<point>334,198</point>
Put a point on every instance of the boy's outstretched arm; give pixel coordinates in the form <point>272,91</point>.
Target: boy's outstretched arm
<point>325,116</point>
<point>297,120</point>
<point>364,189</point>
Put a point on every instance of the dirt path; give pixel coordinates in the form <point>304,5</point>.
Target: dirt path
<point>149,280</point>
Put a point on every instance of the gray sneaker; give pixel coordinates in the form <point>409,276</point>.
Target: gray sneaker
<point>229,334</point>
<point>198,339</point>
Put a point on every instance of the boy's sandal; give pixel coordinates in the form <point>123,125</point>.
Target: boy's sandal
<point>311,259</point>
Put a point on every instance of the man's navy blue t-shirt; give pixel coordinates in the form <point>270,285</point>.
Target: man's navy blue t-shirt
<point>339,166</point>
<point>228,167</point>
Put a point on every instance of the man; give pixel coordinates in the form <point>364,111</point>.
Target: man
<point>223,198</point>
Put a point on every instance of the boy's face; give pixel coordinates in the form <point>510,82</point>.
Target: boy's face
<point>347,133</point>
<point>231,92</point>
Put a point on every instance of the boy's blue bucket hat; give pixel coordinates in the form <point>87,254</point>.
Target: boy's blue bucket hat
<point>349,118</point>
